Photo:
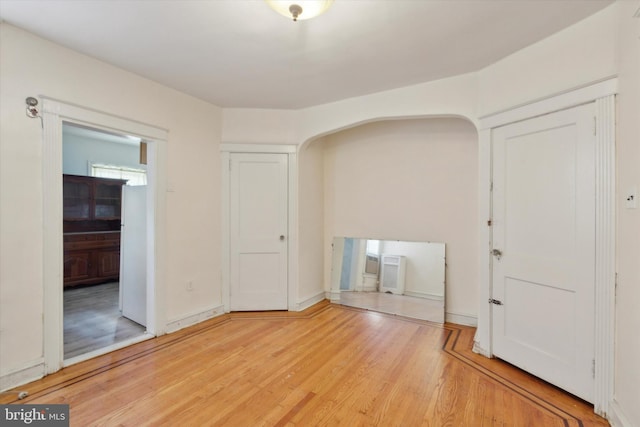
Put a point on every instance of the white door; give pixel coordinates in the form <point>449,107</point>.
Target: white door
<point>544,247</point>
<point>258,227</point>
<point>133,254</point>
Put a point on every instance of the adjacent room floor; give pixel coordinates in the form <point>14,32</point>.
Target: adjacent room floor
<point>92,319</point>
<point>401,305</point>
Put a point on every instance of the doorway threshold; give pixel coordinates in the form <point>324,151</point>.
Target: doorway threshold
<point>107,349</point>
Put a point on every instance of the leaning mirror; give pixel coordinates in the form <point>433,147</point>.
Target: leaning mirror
<point>390,276</point>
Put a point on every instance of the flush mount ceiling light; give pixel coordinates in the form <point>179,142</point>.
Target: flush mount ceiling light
<point>300,9</point>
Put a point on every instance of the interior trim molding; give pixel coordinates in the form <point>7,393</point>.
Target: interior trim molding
<point>34,371</point>
<point>226,150</point>
<point>333,296</point>
<point>54,114</point>
<point>424,295</point>
<point>194,318</point>
<point>460,319</point>
<point>483,338</point>
<point>53,255</point>
<point>562,101</point>
<point>616,416</point>
<point>293,256</point>
<point>101,120</point>
<point>605,258</point>
<point>312,300</point>
<point>602,93</point>
<point>257,148</point>
<point>481,351</point>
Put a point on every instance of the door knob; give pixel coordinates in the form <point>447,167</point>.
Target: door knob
<point>282,237</point>
<point>497,253</point>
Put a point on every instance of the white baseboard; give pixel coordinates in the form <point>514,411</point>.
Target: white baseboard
<point>308,302</point>
<point>461,319</point>
<point>192,319</point>
<point>482,351</point>
<point>333,296</point>
<point>423,295</point>
<point>616,416</point>
<point>22,376</point>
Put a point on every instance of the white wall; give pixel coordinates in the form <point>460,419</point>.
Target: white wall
<point>78,152</point>
<point>311,221</point>
<point>425,266</point>
<point>605,44</point>
<point>259,126</point>
<point>627,381</point>
<point>455,96</point>
<point>31,66</point>
<point>602,45</point>
<point>573,57</point>
<point>594,49</point>
<point>408,180</point>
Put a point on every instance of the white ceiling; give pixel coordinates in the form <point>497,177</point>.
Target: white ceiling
<point>240,53</point>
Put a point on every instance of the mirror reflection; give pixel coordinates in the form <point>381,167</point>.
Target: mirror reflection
<point>391,276</point>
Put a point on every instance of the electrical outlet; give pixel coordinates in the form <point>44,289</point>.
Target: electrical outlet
<point>190,285</point>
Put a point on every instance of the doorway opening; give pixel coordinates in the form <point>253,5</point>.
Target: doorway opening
<point>54,115</point>
<point>104,239</point>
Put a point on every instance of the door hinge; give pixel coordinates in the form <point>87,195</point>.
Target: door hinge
<point>229,165</point>
<point>491,186</point>
<point>595,125</point>
<point>593,367</point>
<point>495,301</point>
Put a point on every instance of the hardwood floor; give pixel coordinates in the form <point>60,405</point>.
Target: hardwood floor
<point>92,319</point>
<point>402,305</point>
<point>330,365</point>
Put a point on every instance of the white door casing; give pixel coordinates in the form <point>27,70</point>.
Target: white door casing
<point>544,230</point>
<point>54,113</point>
<point>603,92</point>
<point>258,231</point>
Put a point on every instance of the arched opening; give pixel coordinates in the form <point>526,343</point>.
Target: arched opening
<point>413,179</point>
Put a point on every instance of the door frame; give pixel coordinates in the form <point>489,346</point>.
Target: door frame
<point>54,113</point>
<point>226,150</point>
<point>603,94</point>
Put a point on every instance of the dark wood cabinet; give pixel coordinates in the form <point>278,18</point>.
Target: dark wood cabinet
<point>87,198</point>
<point>91,258</point>
<point>91,214</point>
<point>76,193</point>
<point>77,267</point>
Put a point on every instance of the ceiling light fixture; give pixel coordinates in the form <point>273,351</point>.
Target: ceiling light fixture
<point>300,9</point>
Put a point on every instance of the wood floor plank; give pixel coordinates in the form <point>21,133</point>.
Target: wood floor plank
<point>331,365</point>
<point>92,319</point>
